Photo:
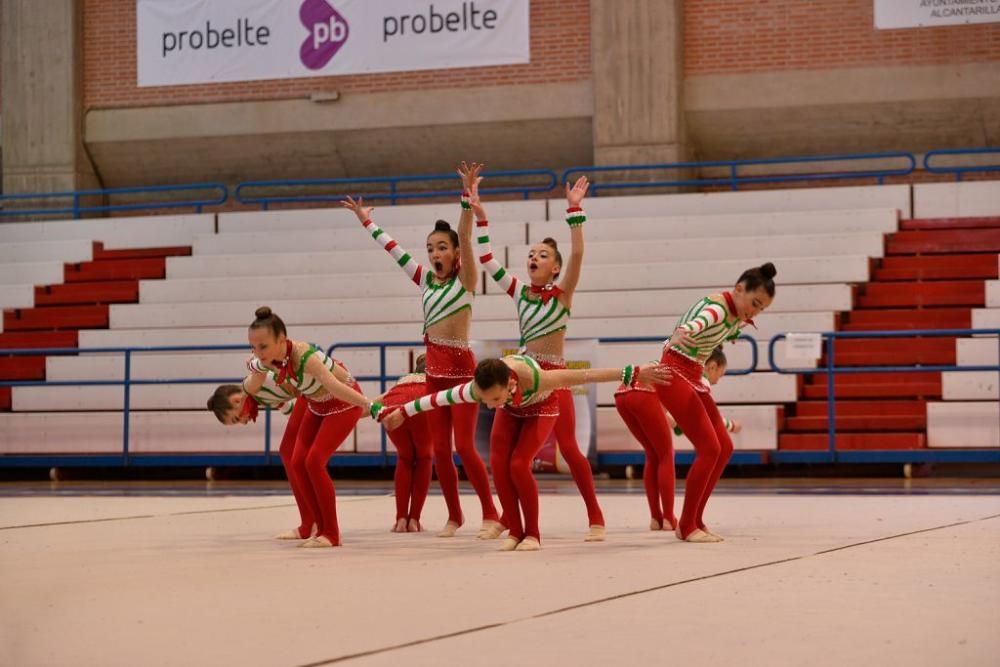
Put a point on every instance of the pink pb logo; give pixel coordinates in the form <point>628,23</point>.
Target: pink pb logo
<point>327,30</point>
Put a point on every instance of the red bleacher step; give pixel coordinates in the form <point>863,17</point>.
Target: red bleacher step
<point>897,319</point>
<point>894,351</point>
<point>117,269</point>
<point>942,241</point>
<point>56,317</point>
<point>875,385</point>
<point>852,408</point>
<point>110,291</point>
<point>139,253</point>
<point>38,339</point>
<point>22,368</point>
<point>5,402</point>
<point>870,441</point>
<point>875,422</point>
<point>936,267</point>
<point>951,223</point>
<point>935,293</point>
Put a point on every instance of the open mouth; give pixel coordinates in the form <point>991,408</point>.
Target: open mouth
<point>439,267</point>
<point>533,267</point>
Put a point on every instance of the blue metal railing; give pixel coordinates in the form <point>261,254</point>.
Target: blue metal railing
<point>218,194</point>
<point>958,171</point>
<point>392,184</point>
<point>832,455</point>
<point>734,180</point>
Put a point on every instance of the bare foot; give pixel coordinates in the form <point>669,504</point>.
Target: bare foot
<point>655,525</point>
<point>509,544</point>
<point>491,530</point>
<point>399,526</point>
<point>413,526</point>
<point>529,544</point>
<point>595,534</point>
<point>319,543</point>
<point>449,529</point>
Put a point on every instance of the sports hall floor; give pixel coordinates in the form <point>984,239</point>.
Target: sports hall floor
<point>813,572</point>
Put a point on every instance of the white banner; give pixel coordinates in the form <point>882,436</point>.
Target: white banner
<point>212,41</point>
<point>891,14</point>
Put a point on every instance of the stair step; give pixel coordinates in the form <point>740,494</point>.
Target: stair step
<point>872,441</point>
<point>110,291</point>
<point>852,408</point>
<point>936,267</point>
<point>939,241</point>
<point>22,368</point>
<point>894,351</point>
<point>872,422</point>
<point>875,385</point>
<point>140,253</point>
<point>935,293</point>
<point>950,223</point>
<point>5,399</point>
<point>56,317</point>
<point>117,269</point>
<point>38,339</point>
<point>895,319</point>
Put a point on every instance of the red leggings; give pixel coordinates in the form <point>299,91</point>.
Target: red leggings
<point>460,420</point>
<point>285,450</point>
<point>700,420</point>
<point>643,415</point>
<point>318,438</point>
<point>413,466</point>
<point>514,443</point>
<point>579,466</point>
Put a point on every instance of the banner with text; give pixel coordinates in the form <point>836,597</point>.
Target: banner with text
<point>207,41</point>
<point>890,14</point>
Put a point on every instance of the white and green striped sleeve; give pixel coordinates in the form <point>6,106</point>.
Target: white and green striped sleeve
<point>507,281</point>
<point>463,393</point>
<point>709,315</point>
<point>287,407</point>
<point>730,426</point>
<point>406,262</point>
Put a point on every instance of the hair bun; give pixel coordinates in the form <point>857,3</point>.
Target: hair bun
<point>262,313</point>
<point>768,271</point>
<point>548,240</point>
<point>210,406</point>
<point>442,226</point>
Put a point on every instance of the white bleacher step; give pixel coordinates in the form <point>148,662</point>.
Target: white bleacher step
<point>760,430</point>
<point>72,250</point>
<point>16,296</point>
<point>132,232</point>
<point>790,299</point>
<point>32,273</point>
<point>322,219</point>
<point>754,388</point>
<point>956,200</point>
<point>339,238</point>
<point>993,293</point>
<point>81,433</point>
<point>607,205</point>
<point>301,263</point>
<point>969,385</point>
<point>749,249</point>
<point>738,355</point>
<point>986,318</point>
<point>727,226</point>
<point>977,351</point>
<point>963,424</point>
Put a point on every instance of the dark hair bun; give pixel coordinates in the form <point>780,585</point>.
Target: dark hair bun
<point>210,403</point>
<point>768,271</point>
<point>548,240</point>
<point>442,226</point>
<point>262,313</point>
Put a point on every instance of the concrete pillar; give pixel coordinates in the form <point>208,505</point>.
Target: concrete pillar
<point>41,56</point>
<point>637,77</point>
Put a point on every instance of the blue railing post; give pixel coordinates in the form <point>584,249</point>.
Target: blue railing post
<point>733,182</point>
<point>126,406</point>
<point>831,403</point>
<point>76,206</point>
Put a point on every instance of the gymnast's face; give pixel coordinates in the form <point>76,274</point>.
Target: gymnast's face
<point>750,304</point>
<point>266,346</point>
<point>233,416</point>
<point>441,254</point>
<point>714,372</point>
<point>543,267</point>
<point>496,396</point>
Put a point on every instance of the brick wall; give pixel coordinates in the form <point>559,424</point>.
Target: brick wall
<point>736,36</point>
<point>560,52</point>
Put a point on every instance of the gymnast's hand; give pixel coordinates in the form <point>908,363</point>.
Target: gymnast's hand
<point>682,338</point>
<point>575,195</point>
<point>364,213</point>
<point>655,374</point>
<point>393,420</point>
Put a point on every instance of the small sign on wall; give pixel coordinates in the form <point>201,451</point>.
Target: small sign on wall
<point>891,14</point>
<point>803,346</point>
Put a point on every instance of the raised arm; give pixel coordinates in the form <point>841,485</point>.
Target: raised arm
<point>575,217</point>
<point>406,262</point>
<point>507,281</point>
<point>469,271</point>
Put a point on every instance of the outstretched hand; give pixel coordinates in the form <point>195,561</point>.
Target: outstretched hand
<point>364,213</point>
<point>575,194</point>
<point>393,420</point>
<point>655,374</point>
<point>470,174</point>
